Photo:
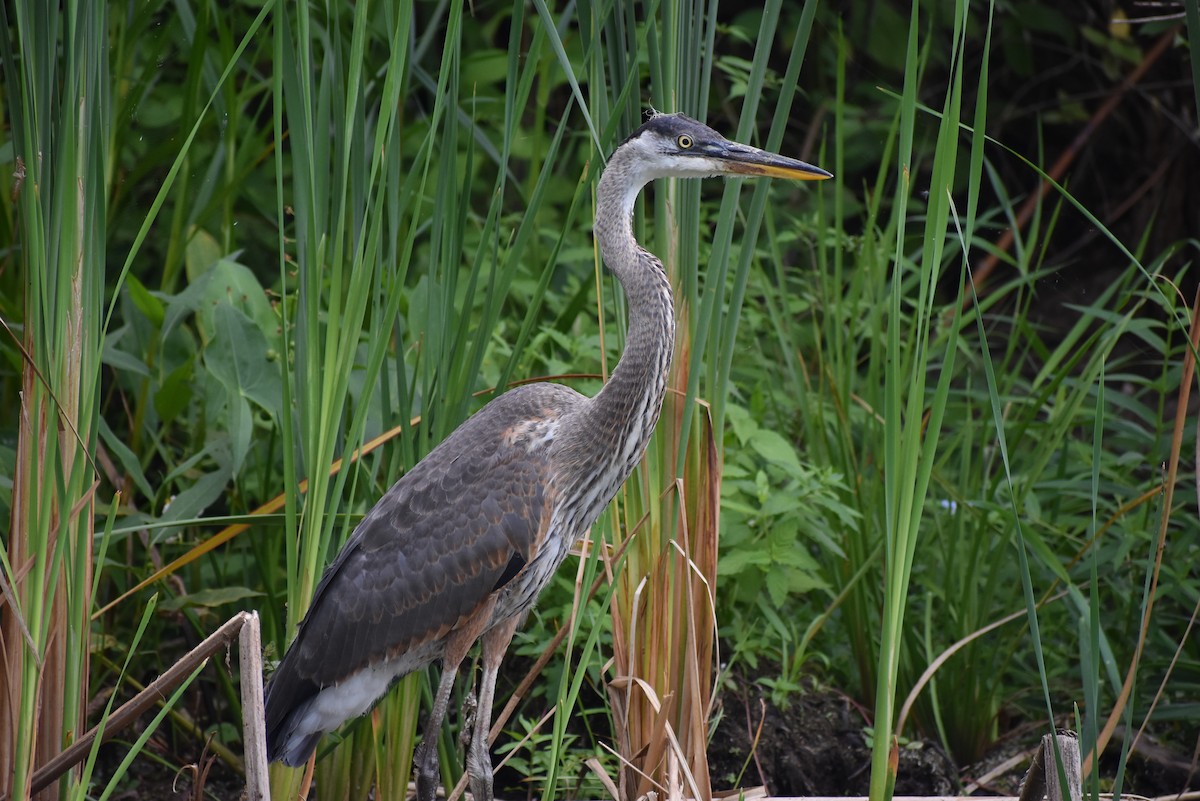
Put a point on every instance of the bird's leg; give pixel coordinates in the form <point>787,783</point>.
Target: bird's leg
<point>479,758</point>
<point>458,642</point>
<point>468,715</point>
<point>426,757</point>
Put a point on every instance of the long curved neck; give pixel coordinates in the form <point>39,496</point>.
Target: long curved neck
<point>623,414</point>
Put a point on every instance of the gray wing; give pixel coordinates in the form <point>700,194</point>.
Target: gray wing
<point>457,527</point>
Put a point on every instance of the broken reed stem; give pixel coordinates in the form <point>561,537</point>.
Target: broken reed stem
<point>1043,778</point>
<point>135,707</point>
<point>254,720</point>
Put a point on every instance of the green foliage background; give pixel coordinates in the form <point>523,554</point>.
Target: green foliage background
<point>1058,420</point>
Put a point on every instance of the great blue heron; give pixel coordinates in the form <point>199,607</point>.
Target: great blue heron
<point>460,546</point>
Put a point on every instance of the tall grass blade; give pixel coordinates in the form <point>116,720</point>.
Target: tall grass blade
<point>339,197</point>
<point>913,419</point>
<point>57,87</point>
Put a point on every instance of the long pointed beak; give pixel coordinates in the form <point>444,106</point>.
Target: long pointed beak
<point>746,160</point>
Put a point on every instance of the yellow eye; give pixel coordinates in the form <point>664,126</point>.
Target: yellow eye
<point>684,141</point>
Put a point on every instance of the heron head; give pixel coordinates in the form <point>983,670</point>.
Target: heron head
<point>674,145</point>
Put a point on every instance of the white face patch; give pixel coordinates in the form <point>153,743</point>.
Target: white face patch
<point>660,157</point>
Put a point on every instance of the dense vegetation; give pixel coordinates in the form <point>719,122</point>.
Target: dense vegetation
<point>239,244</point>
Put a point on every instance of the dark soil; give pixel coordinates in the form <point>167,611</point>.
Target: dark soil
<point>816,745</point>
<point>151,775</point>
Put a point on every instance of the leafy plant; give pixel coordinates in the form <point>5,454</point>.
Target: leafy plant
<point>774,510</point>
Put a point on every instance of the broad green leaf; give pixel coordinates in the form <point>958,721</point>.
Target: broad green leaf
<point>240,423</point>
<point>122,361</point>
<point>802,581</point>
<point>151,307</point>
<point>774,448</point>
<point>239,357</point>
<point>175,392</point>
<point>782,502</point>
<point>201,253</point>
<point>777,584</point>
<point>734,563</point>
<point>225,283</point>
<point>740,422</point>
<point>192,502</point>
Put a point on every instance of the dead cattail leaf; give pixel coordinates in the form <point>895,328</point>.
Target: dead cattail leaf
<point>603,777</point>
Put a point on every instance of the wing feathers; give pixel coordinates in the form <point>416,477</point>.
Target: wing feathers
<point>459,526</point>
<point>516,563</point>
